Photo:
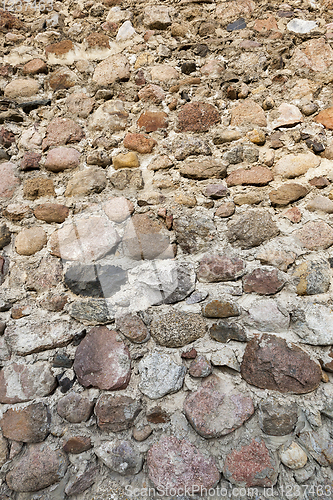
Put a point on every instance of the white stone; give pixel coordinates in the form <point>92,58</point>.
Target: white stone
<point>301,26</point>
<point>160,375</point>
<point>293,457</point>
<point>225,357</point>
<point>116,15</point>
<point>125,32</point>
<point>313,323</point>
<point>265,316</point>
<point>111,116</point>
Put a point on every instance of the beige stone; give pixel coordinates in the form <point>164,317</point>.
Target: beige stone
<point>163,73</point>
<point>128,160</point>
<point>290,166</point>
<point>114,68</point>
<point>30,241</point>
<point>21,88</point>
<point>294,456</point>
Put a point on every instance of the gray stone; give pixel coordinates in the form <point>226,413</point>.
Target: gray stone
<point>75,408</point>
<point>252,228</point>
<point>265,316</point>
<point>196,297</point>
<point>301,26</point>
<point>189,147</point>
<point>121,457</point>
<point>92,311</point>
<point>225,330</point>
<point>277,419</point>
<point>82,481</point>
<point>193,233</point>
<point>160,375</point>
<point>313,277</point>
<point>5,236</point>
<point>313,323</point>
<point>319,444</point>
<point>172,328</point>
<point>95,280</point>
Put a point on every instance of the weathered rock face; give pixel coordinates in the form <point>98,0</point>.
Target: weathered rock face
<point>102,361</point>
<point>176,329</point>
<point>313,323</point>
<point>263,282</point>
<point>28,425</point>
<point>277,419</point>
<point>216,268</point>
<point>116,413</point>
<point>290,369</point>
<point>75,408</point>
<point>178,464</point>
<point>252,229</point>
<point>160,375</point>
<point>121,457</point>
<point>95,280</point>
<point>216,409</point>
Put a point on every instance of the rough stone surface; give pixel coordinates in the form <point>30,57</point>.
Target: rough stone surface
<point>248,112</point>
<point>315,235</point>
<point>220,309</point>
<point>160,375</point>
<point>75,408</point>
<point>252,229</point>
<point>28,425</point>
<point>51,212</point>
<point>118,209</point>
<point>59,159</point>
<point>287,193</point>
<point>133,328</point>
<point>193,233</point>
<point>203,169</point>
<point>62,131</point>
<point>114,68</point>
<point>197,117</point>
<point>121,457</point>
<point>314,277</point>
<point>277,419</point>
<point>8,180</point>
<point>116,413</point>
<point>94,280</point>
<point>290,369</point>
<point>216,268</point>
<point>291,165</point>
<point>313,323</point>
<point>102,361</point>
<point>263,282</point>
<point>293,456</point>
<point>88,181</point>
<point>172,328</point>
<point>255,176</point>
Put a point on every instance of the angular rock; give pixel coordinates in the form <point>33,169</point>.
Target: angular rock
<point>160,375</point>
<point>95,280</point>
<point>110,116</point>
<point>118,209</point>
<point>3,450</point>
<point>251,229</point>
<point>30,161</point>
<point>102,361</point>
<point>251,465</point>
<point>203,169</point>
<point>174,463</point>
<point>193,233</point>
<point>8,180</point>
<point>287,115</point>
<point>61,79</point>
<point>225,357</point>
<point>272,363</point>
<point>193,146</point>
<point>224,331</point>
<point>265,316</point>
<point>30,241</point>
<point>121,457</point>
<point>314,277</point>
<point>215,191</point>
<point>5,236</point>
<point>92,311</point>
<point>81,482</point>
<point>200,367</point>
<point>62,131</point>
<point>287,193</point>
<point>197,117</point>
<point>75,408</point>
<point>80,105</point>
<point>128,160</point>
<point>38,468</point>
<point>172,328</point>
<point>85,240</point>
<point>62,158</point>
<point>153,93</point>
<point>220,309</point>
<point>248,112</point>
<point>315,235</point>
<point>313,323</point>
<point>145,238</point>
<point>293,456</point>
<point>116,413</point>
<point>263,282</point>
<point>278,258</point>
<point>47,274</point>
<point>277,419</point>
<point>234,9</point>
<point>254,176</point>
<point>290,166</point>
<point>37,188</point>
<point>314,54</point>
<point>77,444</point>
<point>27,425</point>
<point>216,408</point>
<point>319,445</point>
<point>51,212</point>
<point>301,26</point>
<point>139,142</point>
<point>114,68</point>
<point>34,67</point>
<point>19,383</point>
<point>88,181</point>
<point>156,17</point>
<point>216,268</point>
<point>153,120</point>
<point>26,335</point>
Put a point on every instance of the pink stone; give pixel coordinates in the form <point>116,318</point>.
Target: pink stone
<point>59,159</point>
<point>8,180</point>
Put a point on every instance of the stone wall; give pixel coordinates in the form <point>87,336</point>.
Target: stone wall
<point>166,249</point>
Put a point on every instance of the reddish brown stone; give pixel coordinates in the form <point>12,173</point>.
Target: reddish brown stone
<point>251,465</point>
<point>9,22</point>
<point>139,142</point>
<point>62,131</point>
<point>28,425</point>
<point>30,161</point>
<point>115,412</point>
<point>133,328</point>
<point>263,282</point>
<point>7,138</point>
<point>319,182</point>
<point>75,408</point>
<point>197,117</point>
<point>271,363</point>
<point>192,354</point>
<point>98,40</point>
<point>102,360</point>
<point>157,416</point>
<point>178,464</point>
<point>248,112</point>
<point>59,48</point>
<point>254,176</point>
<point>62,78</point>
<point>34,67</point>
<point>38,187</point>
<point>287,193</point>
<point>51,212</point>
<point>153,120</point>
<point>226,209</point>
<point>293,214</point>
<point>152,93</point>
<point>325,117</point>
<point>77,444</point>
<point>215,268</point>
<point>200,367</point>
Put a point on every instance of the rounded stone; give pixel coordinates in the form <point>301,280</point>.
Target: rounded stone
<point>75,408</point>
<point>30,241</point>
<point>121,457</point>
<point>172,328</point>
<point>133,328</point>
<point>315,235</point>
<point>160,375</point>
<point>28,425</point>
<point>294,456</point>
<point>59,159</point>
<point>118,209</point>
<point>116,412</point>
<point>51,212</point>
<point>197,117</point>
<point>21,88</point>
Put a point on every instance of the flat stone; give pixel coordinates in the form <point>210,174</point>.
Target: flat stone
<point>251,465</point>
<point>225,209</point>
<point>163,73</point>
<point>286,115</point>
<point>277,419</point>
<point>254,176</point>
<point>287,193</point>
<point>139,142</point>
<point>319,445</point>
<point>172,328</point>
<point>153,93</point>
<point>217,408</point>
<point>8,180</point>
<point>314,54</point>
<point>281,259</point>
<point>88,181</point>
<point>118,209</point>
<point>301,26</point>
<point>82,481</point>
<point>21,88</point>
<point>174,463</point>
<point>200,367</point>
<point>30,161</point>
<point>272,363</point>
<point>38,468</point>
<point>320,203</point>
<point>95,280</point>
<point>220,309</point>
<point>59,48</point>
<point>156,17</point>
<point>263,282</point>
<point>59,159</point>
<point>110,116</point>
<point>102,360</point>
<point>293,456</point>
<point>51,212</point>
<point>225,330</point>
<point>92,311</point>
<point>264,315</point>
<point>225,357</point>
<point>215,191</point>
<point>153,120</point>
<point>248,112</point>
<point>133,328</point>
<point>160,375</point>
<point>116,413</point>
<point>251,229</point>
<point>77,444</point>
<point>75,408</point>
<point>325,117</point>
<point>85,240</point>
<point>121,457</point>
<point>216,268</point>
<point>128,160</point>
<point>290,166</point>
<point>239,24</point>
<point>313,323</point>
<point>34,67</point>
<point>145,238</point>
<point>315,235</point>
<point>27,425</point>
<point>193,233</point>
<point>79,104</point>
<point>30,241</point>
<point>203,169</point>
<point>38,188</point>
<point>197,117</point>
<point>313,277</point>
<point>26,335</point>
<point>62,131</point>
<point>114,68</point>
<point>21,383</point>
